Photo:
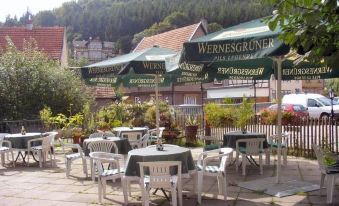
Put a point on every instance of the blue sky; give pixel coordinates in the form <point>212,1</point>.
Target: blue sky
<point>19,7</point>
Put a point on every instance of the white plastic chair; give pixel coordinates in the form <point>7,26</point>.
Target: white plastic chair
<point>54,133</point>
<point>101,146</point>
<point>140,143</point>
<point>69,158</point>
<point>160,177</point>
<point>153,134</point>
<point>211,142</point>
<point>131,136</point>
<point>205,169</point>
<point>254,147</point>
<point>6,150</point>
<point>109,174</point>
<point>273,146</point>
<point>42,150</point>
<point>331,176</point>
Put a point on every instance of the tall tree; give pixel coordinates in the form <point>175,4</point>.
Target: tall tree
<point>112,20</point>
<point>29,80</point>
<point>309,26</point>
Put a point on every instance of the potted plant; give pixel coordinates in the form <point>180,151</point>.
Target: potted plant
<point>103,126</point>
<point>73,127</point>
<point>243,114</point>
<point>191,129</point>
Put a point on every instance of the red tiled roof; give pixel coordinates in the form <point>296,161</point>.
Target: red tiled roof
<point>104,92</point>
<point>173,39</point>
<point>49,39</point>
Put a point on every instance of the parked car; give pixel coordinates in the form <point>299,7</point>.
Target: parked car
<point>297,109</point>
<point>318,105</point>
<point>336,100</point>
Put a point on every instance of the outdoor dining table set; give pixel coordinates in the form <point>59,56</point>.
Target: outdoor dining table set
<point>158,169</point>
<point>161,168</point>
<point>149,165</point>
<point>36,144</point>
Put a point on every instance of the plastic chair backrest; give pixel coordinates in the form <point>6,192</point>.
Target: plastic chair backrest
<point>133,136</point>
<point>254,146</point>
<point>103,146</point>
<point>160,173</point>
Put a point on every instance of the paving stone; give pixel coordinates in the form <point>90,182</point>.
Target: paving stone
<point>12,201</point>
<point>42,203</point>
<point>49,186</point>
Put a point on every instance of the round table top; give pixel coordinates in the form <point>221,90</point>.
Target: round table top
<point>30,134</point>
<point>100,138</point>
<point>151,154</point>
<point>231,138</point>
<point>19,141</point>
<point>128,129</point>
<point>152,151</point>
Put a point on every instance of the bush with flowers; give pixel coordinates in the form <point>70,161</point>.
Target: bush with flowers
<point>271,117</point>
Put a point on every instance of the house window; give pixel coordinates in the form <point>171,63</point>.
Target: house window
<point>190,99</point>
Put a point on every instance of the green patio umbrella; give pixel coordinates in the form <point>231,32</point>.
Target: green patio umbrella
<point>148,61</point>
<point>144,68</point>
<point>248,51</point>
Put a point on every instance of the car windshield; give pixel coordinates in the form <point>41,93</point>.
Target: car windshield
<point>325,101</point>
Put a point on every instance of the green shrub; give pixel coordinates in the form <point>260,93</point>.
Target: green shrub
<point>30,80</point>
<point>218,116</point>
<point>166,118</point>
<point>271,117</point>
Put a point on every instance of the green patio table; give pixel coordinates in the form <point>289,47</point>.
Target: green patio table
<point>231,138</point>
<point>151,154</point>
<point>122,130</point>
<point>19,141</point>
<point>122,143</point>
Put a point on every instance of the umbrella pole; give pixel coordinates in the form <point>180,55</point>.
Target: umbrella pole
<point>157,115</point>
<point>279,61</point>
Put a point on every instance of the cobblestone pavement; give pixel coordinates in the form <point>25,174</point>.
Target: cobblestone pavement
<point>49,186</point>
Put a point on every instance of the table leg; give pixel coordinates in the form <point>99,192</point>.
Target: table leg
<point>251,160</point>
<point>163,191</point>
<point>22,156</point>
<point>34,157</point>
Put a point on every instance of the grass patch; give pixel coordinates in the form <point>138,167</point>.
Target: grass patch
<point>259,192</point>
<point>301,193</point>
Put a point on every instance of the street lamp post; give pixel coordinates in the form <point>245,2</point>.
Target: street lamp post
<point>332,113</point>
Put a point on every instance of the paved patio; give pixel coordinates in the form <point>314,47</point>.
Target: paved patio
<point>49,186</point>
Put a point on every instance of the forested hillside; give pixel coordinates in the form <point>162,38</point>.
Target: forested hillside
<point>119,20</point>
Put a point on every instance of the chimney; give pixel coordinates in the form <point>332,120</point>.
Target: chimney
<point>204,24</point>
<point>29,23</point>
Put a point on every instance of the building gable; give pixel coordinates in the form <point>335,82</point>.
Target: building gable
<point>173,39</point>
<point>50,40</point>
